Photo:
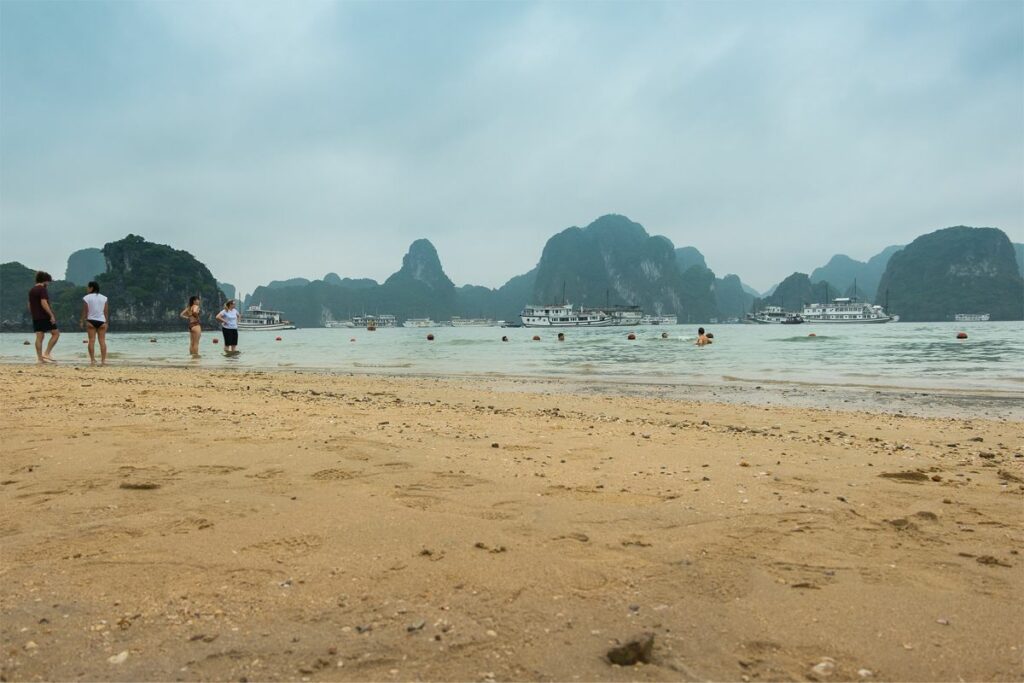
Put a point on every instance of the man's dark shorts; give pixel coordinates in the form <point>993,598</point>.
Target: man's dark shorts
<point>43,325</point>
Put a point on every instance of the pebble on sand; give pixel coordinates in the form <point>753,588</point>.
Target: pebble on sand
<point>119,658</point>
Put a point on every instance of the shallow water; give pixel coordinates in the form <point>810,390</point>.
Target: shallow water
<point>896,354</point>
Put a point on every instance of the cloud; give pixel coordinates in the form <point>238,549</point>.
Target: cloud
<point>280,139</point>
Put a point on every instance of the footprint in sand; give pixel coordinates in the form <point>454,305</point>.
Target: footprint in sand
<point>333,475</point>
<point>290,546</point>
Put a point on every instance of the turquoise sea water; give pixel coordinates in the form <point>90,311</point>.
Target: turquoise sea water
<point>895,354</point>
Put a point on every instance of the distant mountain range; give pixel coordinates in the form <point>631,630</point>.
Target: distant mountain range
<point>841,272</point>
<point>612,261</point>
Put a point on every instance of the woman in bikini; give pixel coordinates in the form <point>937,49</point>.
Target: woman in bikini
<point>195,329</point>
<point>95,312</point>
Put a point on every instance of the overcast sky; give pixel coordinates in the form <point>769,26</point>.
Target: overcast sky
<point>285,139</point>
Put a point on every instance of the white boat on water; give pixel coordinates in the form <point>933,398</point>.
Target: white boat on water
<point>419,322</point>
<point>659,320</point>
<point>347,324</point>
<point>972,317</point>
<point>623,316</point>
<point>474,322</point>
<point>774,315</point>
<point>374,321</point>
<point>258,318</point>
<point>845,310</point>
<point>564,315</point>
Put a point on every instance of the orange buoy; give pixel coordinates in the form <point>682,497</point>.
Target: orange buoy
<point>277,339</point>
<point>812,335</point>
<point>961,335</point>
<point>536,338</point>
<point>631,336</point>
<point>216,341</point>
<point>430,337</point>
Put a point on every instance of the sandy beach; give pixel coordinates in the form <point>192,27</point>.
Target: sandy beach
<point>176,524</point>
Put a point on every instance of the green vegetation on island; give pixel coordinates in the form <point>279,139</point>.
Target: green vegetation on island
<point>955,270</point>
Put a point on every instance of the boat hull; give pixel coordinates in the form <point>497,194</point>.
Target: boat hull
<point>865,321</point>
<point>607,322</point>
<point>265,328</point>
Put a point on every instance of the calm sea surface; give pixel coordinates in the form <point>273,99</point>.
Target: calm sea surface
<point>895,354</point>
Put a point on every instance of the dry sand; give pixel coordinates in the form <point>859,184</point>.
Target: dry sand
<point>177,524</point>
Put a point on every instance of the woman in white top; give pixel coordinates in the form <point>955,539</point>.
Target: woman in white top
<point>228,319</point>
<point>95,312</point>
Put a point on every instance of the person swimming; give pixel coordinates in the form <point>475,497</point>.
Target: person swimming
<point>702,338</point>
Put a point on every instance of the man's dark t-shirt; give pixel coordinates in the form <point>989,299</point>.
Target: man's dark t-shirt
<point>35,303</point>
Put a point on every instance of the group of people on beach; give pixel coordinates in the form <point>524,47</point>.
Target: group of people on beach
<point>96,312</point>
<point>228,319</point>
<point>95,316</point>
<point>93,319</point>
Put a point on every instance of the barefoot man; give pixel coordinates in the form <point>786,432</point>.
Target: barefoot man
<point>43,318</point>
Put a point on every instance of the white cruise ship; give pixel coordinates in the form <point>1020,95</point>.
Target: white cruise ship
<point>419,322</point>
<point>659,320</point>
<point>623,315</point>
<point>774,315</point>
<point>258,318</point>
<point>845,310</point>
<point>474,322</point>
<point>374,321</point>
<point>972,317</point>
<point>564,315</point>
<point>347,324</point>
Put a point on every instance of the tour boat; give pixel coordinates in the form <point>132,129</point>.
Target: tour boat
<point>258,318</point>
<point>374,321</point>
<point>627,316</point>
<point>845,310</point>
<point>659,320</point>
<point>564,315</point>
<point>474,322</point>
<point>419,322</point>
<point>972,317</point>
<point>774,315</point>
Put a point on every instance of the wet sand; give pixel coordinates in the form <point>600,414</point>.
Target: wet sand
<point>162,524</point>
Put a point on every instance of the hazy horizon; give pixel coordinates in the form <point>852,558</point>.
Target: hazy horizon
<point>274,140</point>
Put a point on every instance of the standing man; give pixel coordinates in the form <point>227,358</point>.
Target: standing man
<point>43,318</point>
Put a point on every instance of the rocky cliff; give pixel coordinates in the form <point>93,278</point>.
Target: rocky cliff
<point>955,270</point>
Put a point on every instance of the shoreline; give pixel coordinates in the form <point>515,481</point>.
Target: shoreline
<point>916,400</point>
<point>161,524</point>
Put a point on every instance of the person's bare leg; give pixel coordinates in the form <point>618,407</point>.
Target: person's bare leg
<point>102,334</point>
<point>54,336</point>
<point>91,331</point>
<point>194,346</point>
<point>39,346</point>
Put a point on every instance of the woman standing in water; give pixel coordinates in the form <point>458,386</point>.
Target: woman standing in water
<point>228,319</point>
<point>95,313</point>
<point>195,329</point>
